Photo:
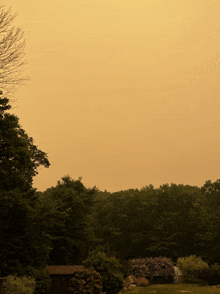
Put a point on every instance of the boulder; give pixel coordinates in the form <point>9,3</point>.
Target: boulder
<point>130,280</point>
<point>129,283</point>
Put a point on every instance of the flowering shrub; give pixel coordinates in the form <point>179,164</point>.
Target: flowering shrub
<point>86,281</point>
<point>153,267</point>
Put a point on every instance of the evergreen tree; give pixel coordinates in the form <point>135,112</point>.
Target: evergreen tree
<point>22,242</point>
<point>19,157</point>
<point>66,211</point>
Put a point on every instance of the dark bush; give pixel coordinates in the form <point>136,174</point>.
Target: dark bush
<point>109,269</point>
<point>125,267</point>
<point>86,281</point>
<point>42,278</point>
<point>210,276</point>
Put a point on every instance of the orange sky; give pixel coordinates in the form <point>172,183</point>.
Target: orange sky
<point>123,93</point>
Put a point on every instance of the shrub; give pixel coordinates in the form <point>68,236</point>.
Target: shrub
<point>16,285</point>
<point>140,268</point>
<point>86,281</point>
<point>142,282</point>
<point>191,266</point>
<point>210,276</point>
<point>42,278</point>
<point>216,266</point>
<point>109,269</point>
<point>125,267</point>
<point>153,267</point>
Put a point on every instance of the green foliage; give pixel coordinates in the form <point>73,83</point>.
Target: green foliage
<point>23,242</point>
<point>86,281</point>
<point>14,213</point>
<point>19,157</point>
<point>122,221</point>
<point>208,227</point>
<point>174,222</point>
<point>209,276</point>
<point>109,269</point>
<point>191,266</point>
<point>42,279</point>
<point>125,267</point>
<point>16,285</point>
<point>216,266</point>
<point>152,267</point>
<point>65,215</point>
<point>148,222</point>
<point>69,183</point>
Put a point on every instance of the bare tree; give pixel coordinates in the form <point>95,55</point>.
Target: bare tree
<point>12,53</point>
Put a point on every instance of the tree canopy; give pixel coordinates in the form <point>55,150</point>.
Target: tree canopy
<point>67,210</point>
<point>19,157</point>
<point>20,235</point>
<point>23,243</point>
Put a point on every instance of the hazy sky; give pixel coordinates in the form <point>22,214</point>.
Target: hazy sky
<point>123,93</point>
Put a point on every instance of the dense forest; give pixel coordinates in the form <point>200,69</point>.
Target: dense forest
<point>171,221</point>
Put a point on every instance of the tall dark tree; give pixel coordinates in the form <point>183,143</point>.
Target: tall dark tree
<point>208,227</point>
<point>19,157</point>
<point>66,211</point>
<point>122,221</point>
<point>174,223</point>
<point>22,243</point>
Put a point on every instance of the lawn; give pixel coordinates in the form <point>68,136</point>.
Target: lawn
<point>174,289</point>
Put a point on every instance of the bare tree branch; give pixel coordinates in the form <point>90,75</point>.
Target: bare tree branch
<point>12,54</point>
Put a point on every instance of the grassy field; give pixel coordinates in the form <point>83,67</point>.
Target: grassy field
<point>174,289</point>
